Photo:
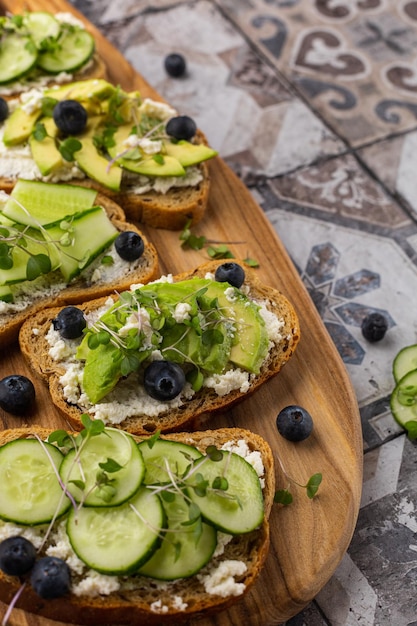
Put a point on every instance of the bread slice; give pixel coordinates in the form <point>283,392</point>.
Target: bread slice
<point>149,603</point>
<point>35,348</point>
<point>81,289</point>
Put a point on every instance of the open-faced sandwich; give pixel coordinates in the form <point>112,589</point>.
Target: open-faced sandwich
<point>40,49</point>
<point>103,528</point>
<point>137,151</point>
<point>64,244</point>
<point>157,356</point>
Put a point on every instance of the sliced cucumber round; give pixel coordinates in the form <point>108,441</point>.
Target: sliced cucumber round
<point>41,25</point>
<point>18,55</point>
<point>106,471</point>
<point>117,540</point>
<point>404,399</point>
<point>74,49</point>
<point>404,362</point>
<point>233,501</point>
<point>166,458</point>
<point>185,549</point>
<point>30,492</point>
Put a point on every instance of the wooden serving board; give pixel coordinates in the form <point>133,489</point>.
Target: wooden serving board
<point>309,537</point>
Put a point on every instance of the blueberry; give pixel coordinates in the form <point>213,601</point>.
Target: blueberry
<point>232,273</point>
<point>17,556</point>
<point>70,322</point>
<point>17,394</point>
<point>175,65</point>
<point>50,577</point>
<point>4,109</point>
<point>181,127</point>
<point>129,245</point>
<point>374,326</point>
<point>70,117</point>
<point>294,423</point>
<point>163,380</point>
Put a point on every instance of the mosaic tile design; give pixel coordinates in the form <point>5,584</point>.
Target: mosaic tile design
<point>314,104</point>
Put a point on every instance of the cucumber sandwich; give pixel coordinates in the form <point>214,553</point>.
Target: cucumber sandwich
<point>137,151</point>
<point>158,355</point>
<point>132,530</point>
<point>63,244</point>
<point>41,49</point>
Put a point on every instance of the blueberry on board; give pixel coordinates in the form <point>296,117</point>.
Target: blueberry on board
<point>175,65</point>
<point>17,394</point>
<point>374,326</point>
<point>181,127</point>
<point>70,322</point>
<point>232,273</point>
<point>129,245</point>
<point>294,423</point>
<point>163,380</point>
<point>70,117</point>
<point>50,577</point>
<point>17,556</point>
<point>4,109</point>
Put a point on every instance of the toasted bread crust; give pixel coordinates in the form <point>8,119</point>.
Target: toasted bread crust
<point>78,291</point>
<point>134,606</point>
<point>35,349</point>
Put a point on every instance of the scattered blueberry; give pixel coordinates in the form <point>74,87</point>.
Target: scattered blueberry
<point>70,117</point>
<point>175,65</point>
<point>374,326</point>
<point>17,556</point>
<point>70,322</point>
<point>50,577</point>
<point>232,273</point>
<point>129,245</point>
<point>4,109</point>
<point>17,394</point>
<point>181,127</point>
<point>294,423</point>
<point>163,380</point>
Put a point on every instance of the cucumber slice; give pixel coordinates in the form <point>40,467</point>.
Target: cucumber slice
<point>404,362</point>
<point>237,510</point>
<point>166,457</point>
<point>41,25</point>
<point>90,233</point>
<point>404,399</point>
<point>117,540</point>
<point>74,49</point>
<point>46,203</point>
<point>30,492</point>
<point>184,551</point>
<point>18,56</point>
<point>84,466</point>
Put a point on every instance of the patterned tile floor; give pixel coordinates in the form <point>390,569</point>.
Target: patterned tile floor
<point>314,104</point>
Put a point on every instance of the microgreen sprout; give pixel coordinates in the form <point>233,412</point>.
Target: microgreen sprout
<point>284,496</point>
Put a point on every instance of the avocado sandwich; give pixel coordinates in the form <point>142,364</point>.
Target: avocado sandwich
<point>135,150</point>
<point>157,356</point>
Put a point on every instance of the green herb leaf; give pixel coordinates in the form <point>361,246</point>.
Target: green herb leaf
<point>251,262</point>
<point>158,158</point>
<point>61,438</point>
<point>214,454</point>
<point>68,147</point>
<point>47,106</point>
<point>283,496</point>
<point>220,252</point>
<point>220,482</point>
<point>313,485</point>
<point>411,427</point>
<point>110,466</point>
<point>39,132</point>
<point>78,483</point>
<point>37,264</point>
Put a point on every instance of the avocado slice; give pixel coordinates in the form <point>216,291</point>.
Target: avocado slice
<point>96,166</point>
<point>19,126</point>
<point>189,153</point>
<point>81,90</point>
<point>45,153</point>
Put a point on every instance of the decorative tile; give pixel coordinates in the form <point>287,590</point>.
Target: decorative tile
<point>258,126</point>
<point>354,62</point>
